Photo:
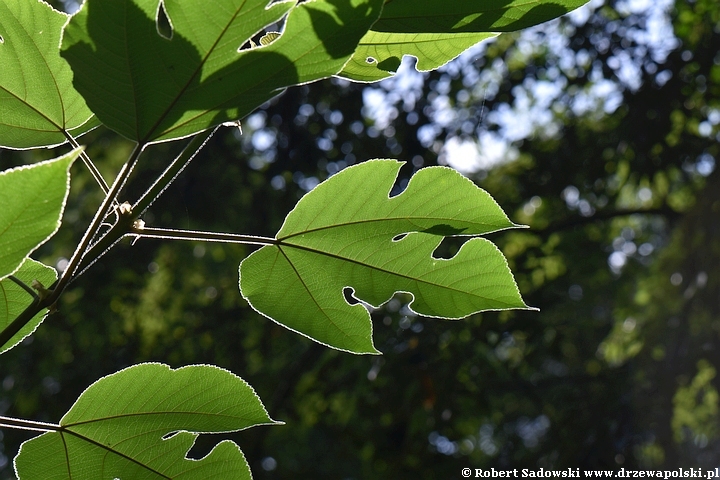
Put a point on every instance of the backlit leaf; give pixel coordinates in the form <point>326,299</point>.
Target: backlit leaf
<point>437,31</point>
<point>379,54</point>
<point>14,299</point>
<point>154,86</point>
<point>139,423</point>
<point>32,200</point>
<point>37,100</point>
<point>347,232</point>
<point>440,16</point>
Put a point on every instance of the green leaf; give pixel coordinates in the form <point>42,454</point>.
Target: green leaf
<point>32,199</point>
<point>379,54</point>
<point>139,423</point>
<point>14,299</point>
<point>347,232</point>
<point>151,88</point>
<point>37,100</point>
<point>440,16</point>
<point>436,31</point>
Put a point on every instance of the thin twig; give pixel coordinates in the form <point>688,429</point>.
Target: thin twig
<point>89,164</point>
<point>97,221</point>
<point>75,261</point>
<point>172,234</point>
<point>88,252</point>
<point>24,286</point>
<point>172,171</point>
<point>124,225</point>
<point>23,424</point>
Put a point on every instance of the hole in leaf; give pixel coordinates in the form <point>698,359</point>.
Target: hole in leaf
<point>397,238</point>
<point>162,22</point>
<point>449,247</point>
<point>247,45</point>
<point>349,298</point>
<point>168,436</point>
<point>2,40</point>
<point>204,444</point>
<point>370,60</point>
<point>400,184</point>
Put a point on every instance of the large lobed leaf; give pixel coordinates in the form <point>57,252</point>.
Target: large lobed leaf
<point>32,199</point>
<point>37,100</point>
<point>150,88</point>
<point>347,232</point>
<point>139,423</point>
<point>14,299</point>
<point>437,31</point>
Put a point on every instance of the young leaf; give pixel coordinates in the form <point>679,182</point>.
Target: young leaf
<point>139,423</point>
<point>152,88</point>
<point>14,298</point>
<point>37,100</point>
<point>437,31</point>
<point>347,232</point>
<point>32,199</point>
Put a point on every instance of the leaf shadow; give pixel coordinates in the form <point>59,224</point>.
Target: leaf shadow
<point>163,100</point>
<point>494,12</point>
<point>534,16</point>
<point>350,19</point>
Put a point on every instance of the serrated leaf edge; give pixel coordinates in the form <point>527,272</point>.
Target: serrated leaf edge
<point>372,343</point>
<point>74,152</point>
<point>70,432</point>
<point>45,310</point>
<point>369,318</point>
<point>511,225</point>
<point>139,365</point>
<point>60,129</point>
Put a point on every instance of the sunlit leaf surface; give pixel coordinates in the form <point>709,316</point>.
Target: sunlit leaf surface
<point>437,31</point>
<point>14,299</point>
<point>139,423</point>
<point>347,232</point>
<point>379,54</point>
<point>32,200</point>
<point>157,85</point>
<point>37,99</point>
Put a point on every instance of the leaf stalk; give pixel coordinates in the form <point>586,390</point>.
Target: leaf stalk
<point>89,164</point>
<point>88,252</point>
<point>172,171</point>
<point>172,234</point>
<point>24,286</point>
<point>57,288</point>
<point>22,424</point>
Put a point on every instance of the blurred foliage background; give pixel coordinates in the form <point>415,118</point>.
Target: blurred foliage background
<point>598,130</point>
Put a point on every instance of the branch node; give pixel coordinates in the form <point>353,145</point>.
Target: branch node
<point>138,225</point>
<point>125,209</point>
<point>44,293</point>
